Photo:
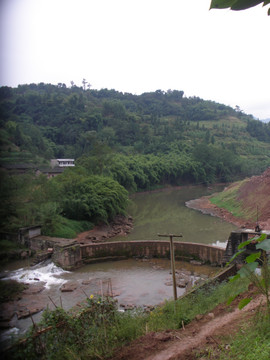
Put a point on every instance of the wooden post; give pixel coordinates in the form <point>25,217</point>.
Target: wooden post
<point>172,261</point>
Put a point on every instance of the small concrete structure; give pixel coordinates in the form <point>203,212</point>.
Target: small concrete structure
<point>236,238</point>
<point>27,233</point>
<point>65,252</point>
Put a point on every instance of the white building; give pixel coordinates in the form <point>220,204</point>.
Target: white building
<point>62,162</point>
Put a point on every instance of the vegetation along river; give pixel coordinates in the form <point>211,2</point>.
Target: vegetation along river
<point>135,282</point>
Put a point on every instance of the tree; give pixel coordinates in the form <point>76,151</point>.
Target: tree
<point>237,4</point>
<point>260,279</point>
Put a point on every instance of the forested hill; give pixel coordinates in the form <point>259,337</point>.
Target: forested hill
<point>139,140</point>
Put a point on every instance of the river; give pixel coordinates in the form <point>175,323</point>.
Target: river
<point>134,282</point>
<point>160,212</point>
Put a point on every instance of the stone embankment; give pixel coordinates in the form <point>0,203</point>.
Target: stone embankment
<point>120,226</point>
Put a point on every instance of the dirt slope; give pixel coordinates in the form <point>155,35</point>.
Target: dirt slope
<point>256,192</point>
<point>253,193</point>
<point>205,332</point>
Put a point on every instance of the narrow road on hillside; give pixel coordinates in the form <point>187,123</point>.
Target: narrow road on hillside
<point>185,344</point>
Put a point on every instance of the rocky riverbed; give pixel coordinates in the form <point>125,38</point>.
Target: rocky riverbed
<point>120,226</point>
<point>133,283</point>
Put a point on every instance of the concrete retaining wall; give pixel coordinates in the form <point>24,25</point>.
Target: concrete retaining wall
<point>154,248</point>
<point>68,254</point>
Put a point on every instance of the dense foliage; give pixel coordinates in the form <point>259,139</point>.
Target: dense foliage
<point>29,200</point>
<point>137,141</point>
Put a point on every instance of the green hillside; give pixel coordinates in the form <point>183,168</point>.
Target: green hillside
<point>120,142</point>
<point>40,122</point>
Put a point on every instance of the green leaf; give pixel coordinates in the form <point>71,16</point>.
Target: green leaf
<point>261,238</point>
<point>245,243</point>
<point>237,4</point>
<point>221,4</point>
<point>251,258</point>
<point>234,278</point>
<point>244,4</point>
<point>235,255</point>
<point>264,245</point>
<point>230,300</point>
<point>248,269</point>
<point>243,303</point>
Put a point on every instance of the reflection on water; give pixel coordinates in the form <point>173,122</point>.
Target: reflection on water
<point>165,212</point>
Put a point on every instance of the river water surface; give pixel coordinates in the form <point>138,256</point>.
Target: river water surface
<point>161,212</point>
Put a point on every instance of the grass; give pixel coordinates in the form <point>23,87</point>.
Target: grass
<point>227,199</point>
<point>200,302</point>
<point>251,342</point>
<point>69,229</point>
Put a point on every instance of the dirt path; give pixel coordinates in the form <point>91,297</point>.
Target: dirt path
<point>194,339</point>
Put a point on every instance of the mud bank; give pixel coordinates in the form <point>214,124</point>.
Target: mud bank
<point>252,193</point>
<point>120,226</point>
<point>206,207</point>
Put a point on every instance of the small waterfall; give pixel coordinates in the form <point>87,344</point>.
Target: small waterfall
<point>46,272</point>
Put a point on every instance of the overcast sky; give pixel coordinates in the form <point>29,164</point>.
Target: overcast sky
<point>138,46</point>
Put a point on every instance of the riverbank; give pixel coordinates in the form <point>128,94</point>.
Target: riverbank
<point>120,226</point>
<point>249,199</point>
<point>205,206</point>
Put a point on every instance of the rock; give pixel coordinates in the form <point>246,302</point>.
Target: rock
<point>34,289</point>
<point>211,315</point>
<point>25,312</point>
<point>24,254</point>
<point>195,262</point>
<point>184,271</point>
<point>7,312</point>
<point>183,276</point>
<point>162,337</point>
<point>181,283</point>
<point>87,282</point>
<point>69,287</point>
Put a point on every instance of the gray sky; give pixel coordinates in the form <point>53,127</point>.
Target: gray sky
<point>138,46</point>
